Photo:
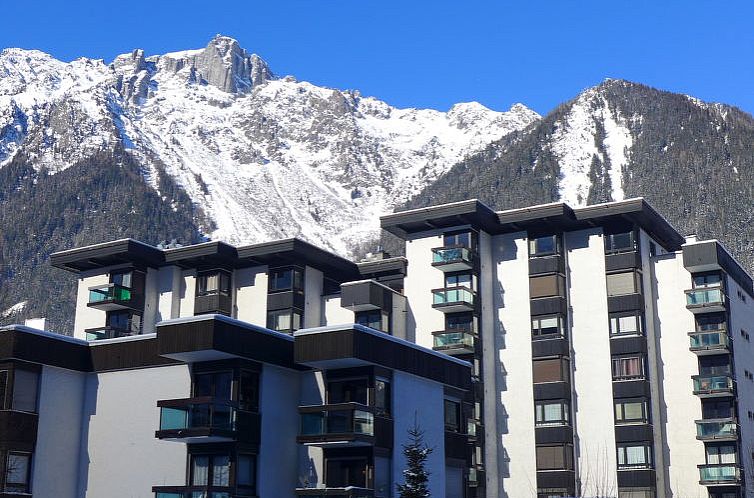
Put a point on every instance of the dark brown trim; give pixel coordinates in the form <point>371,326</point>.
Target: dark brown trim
<point>636,478</point>
<point>553,435</point>
<point>18,430</point>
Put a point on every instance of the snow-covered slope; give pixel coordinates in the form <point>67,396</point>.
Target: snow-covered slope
<point>264,157</point>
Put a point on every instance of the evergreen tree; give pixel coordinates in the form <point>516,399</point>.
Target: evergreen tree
<point>416,476</point>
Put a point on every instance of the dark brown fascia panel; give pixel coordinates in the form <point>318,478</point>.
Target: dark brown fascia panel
<point>22,343</point>
<point>545,218</point>
<point>107,254</point>
<point>709,255</point>
<point>209,254</point>
<point>381,267</point>
<point>339,345</point>
<point>472,212</point>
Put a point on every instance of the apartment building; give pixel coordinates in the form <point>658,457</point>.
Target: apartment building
<point>548,351</point>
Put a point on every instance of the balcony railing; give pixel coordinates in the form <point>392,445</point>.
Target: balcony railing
<point>713,385</point>
<point>348,492</point>
<point>717,429</point>
<point>197,492</point>
<point>706,299</point>
<point>206,419</point>
<point>709,342</point>
<point>719,474</point>
<point>98,333</point>
<point>337,423</point>
<point>452,258</point>
<point>453,299</point>
<point>111,297</point>
<point>453,342</point>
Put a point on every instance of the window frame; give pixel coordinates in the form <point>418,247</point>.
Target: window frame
<point>224,283</point>
<point>626,377</point>
<point>536,330</point>
<point>637,279</point>
<point>565,369</point>
<point>384,319</point>
<point>615,318</point>
<point>456,411</point>
<point>534,252</point>
<point>297,279</point>
<point>566,452</point>
<point>452,239</point>
<point>648,456</point>
<point>620,418</point>
<point>696,277</point>
<point>565,413</point>
<point>20,487</point>
<point>610,238</point>
<point>292,313</point>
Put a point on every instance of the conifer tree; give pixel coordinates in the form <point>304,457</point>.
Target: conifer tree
<point>415,475</point>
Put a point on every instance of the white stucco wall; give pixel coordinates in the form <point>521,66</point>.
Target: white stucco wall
<point>151,300</point>
<point>251,295</point>
<point>187,293</point>
<point>86,317</point>
<point>311,458</point>
<point>420,279</point>
<point>334,313</point>
<point>314,302</point>
<point>415,398</point>
<point>56,455</point>
<point>508,394</point>
<point>278,453</point>
<point>594,433</point>
<point>120,455</point>
<point>166,279</point>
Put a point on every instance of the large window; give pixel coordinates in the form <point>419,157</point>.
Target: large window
<point>286,279</point>
<point>714,365</point>
<point>546,286</point>
<point>345,472</point>
<point>452,415</point>
<point>348,391</point>
<point>707,280</point>
<point>551,370</point>
<point>210,470</point>
<point>459,280</point>
<point>25,386</point>
<point>3,388</point>
<point>460,322</point>
<point>382,397</point>
<point>543,246</point>
<point>547,327</point>
<point>552,412</point>
<point>127,321</point>
<point>17,472</point>
<point>215,384</point>
<point>555,457</point>
<point>465,239</point>
<point>124,279</point>
<point>375,319</point>
<point>248,391</point>
<point>635,456</point>
<point>717,408</point>
<point>710,322</point>
<point>212,283</point>
<point>628,367</point>
<point>246,473</point>
<point>629,411</point>
<point>720,454</point>
<point>627,323</point>
<point>287,320</point>
<point>620,242</point>
<point>620,284</point>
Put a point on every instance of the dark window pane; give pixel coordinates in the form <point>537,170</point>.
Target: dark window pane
<point>3,388</point>
<point>17,472</point>
<point>25,385</point>
<point>247,470</point>
<point>341,473</point>
<point>248,391</point>
<point>452,416</point>
<point>345,391</point>
<point>382,396</point>
<point>459,321</point>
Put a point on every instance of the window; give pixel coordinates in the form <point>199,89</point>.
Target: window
<point>552,412</point>
<point>248,391</point>
<point>465,239</point>
<point>628,368</point>
<point>710,322</point>
<point>636,493</point>
<point>348,391</point>
<point>714,365</point>
<point>631,411</point>
<point>17,472</point>
<point>382,397</point>
<point>288,320</point>
<point>626,323</point>
<point>124,279</point>
<point>124,320</point>
<point>460,322</point>
<point>720,454</point>
<point>286,279</point>
<point>459,280</point>
<point>210,470</point>
<point>635,456</point>
<point>707,280</point>
<point>543,246</point>
<point>620,284</point>
<point>555,457</point>
<point>209,284</point>
<point>551,370</point>
<point>3,388</point>
<point>246,473</point>
<point>546,286</point>
<point>546,327</point>
<point>215,384</point>
<point>25,385</point>
<point>620,242</point>
<point>452,416</point>
<point>345,472</point>
<point>375,319</point>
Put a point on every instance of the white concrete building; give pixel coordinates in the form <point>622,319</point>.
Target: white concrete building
<point>545,351</point>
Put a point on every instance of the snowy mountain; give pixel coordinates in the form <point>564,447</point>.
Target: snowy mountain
<point>263,157</point>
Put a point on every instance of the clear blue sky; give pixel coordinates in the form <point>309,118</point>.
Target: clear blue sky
<point>429,53</point>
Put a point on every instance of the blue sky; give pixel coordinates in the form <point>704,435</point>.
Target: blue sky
<point>429,54</point>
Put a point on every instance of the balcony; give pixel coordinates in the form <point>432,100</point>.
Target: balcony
<point>711,386</point>
<point>453,342</point>
<point>453,299</point>
<point>705,300</point>
<point>99,333</point>
<point>716,474</point>
<point>452,258</point>
<point>197,492</point>
<point>206,420</point>
<point>724,429</point>
<point>112,297</point>
<point>709,342</point>
<point>349,492</point>
<point>342,424</point>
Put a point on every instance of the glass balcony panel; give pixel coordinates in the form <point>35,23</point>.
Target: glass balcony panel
<point>714,340</point>
<point>716,429</point>
<point>719,473</point>
<point>173,418</point>
<point>443,255</point>
<point>453,295</point>
<point>714,383</point>
<point>312,424</point>
<point>454,339</point>
<point>198,415</point>
<point>701,297</point>
<point>363,422</point>
<point>161,494</point>
<point>110,292</point>
<point>337,421</point>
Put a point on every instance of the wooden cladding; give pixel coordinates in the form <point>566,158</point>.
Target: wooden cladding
<point>547,286</point>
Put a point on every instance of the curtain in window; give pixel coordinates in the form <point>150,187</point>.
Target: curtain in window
<point>200,471</point>
<point>221,471</point>
<point>17,472</point>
